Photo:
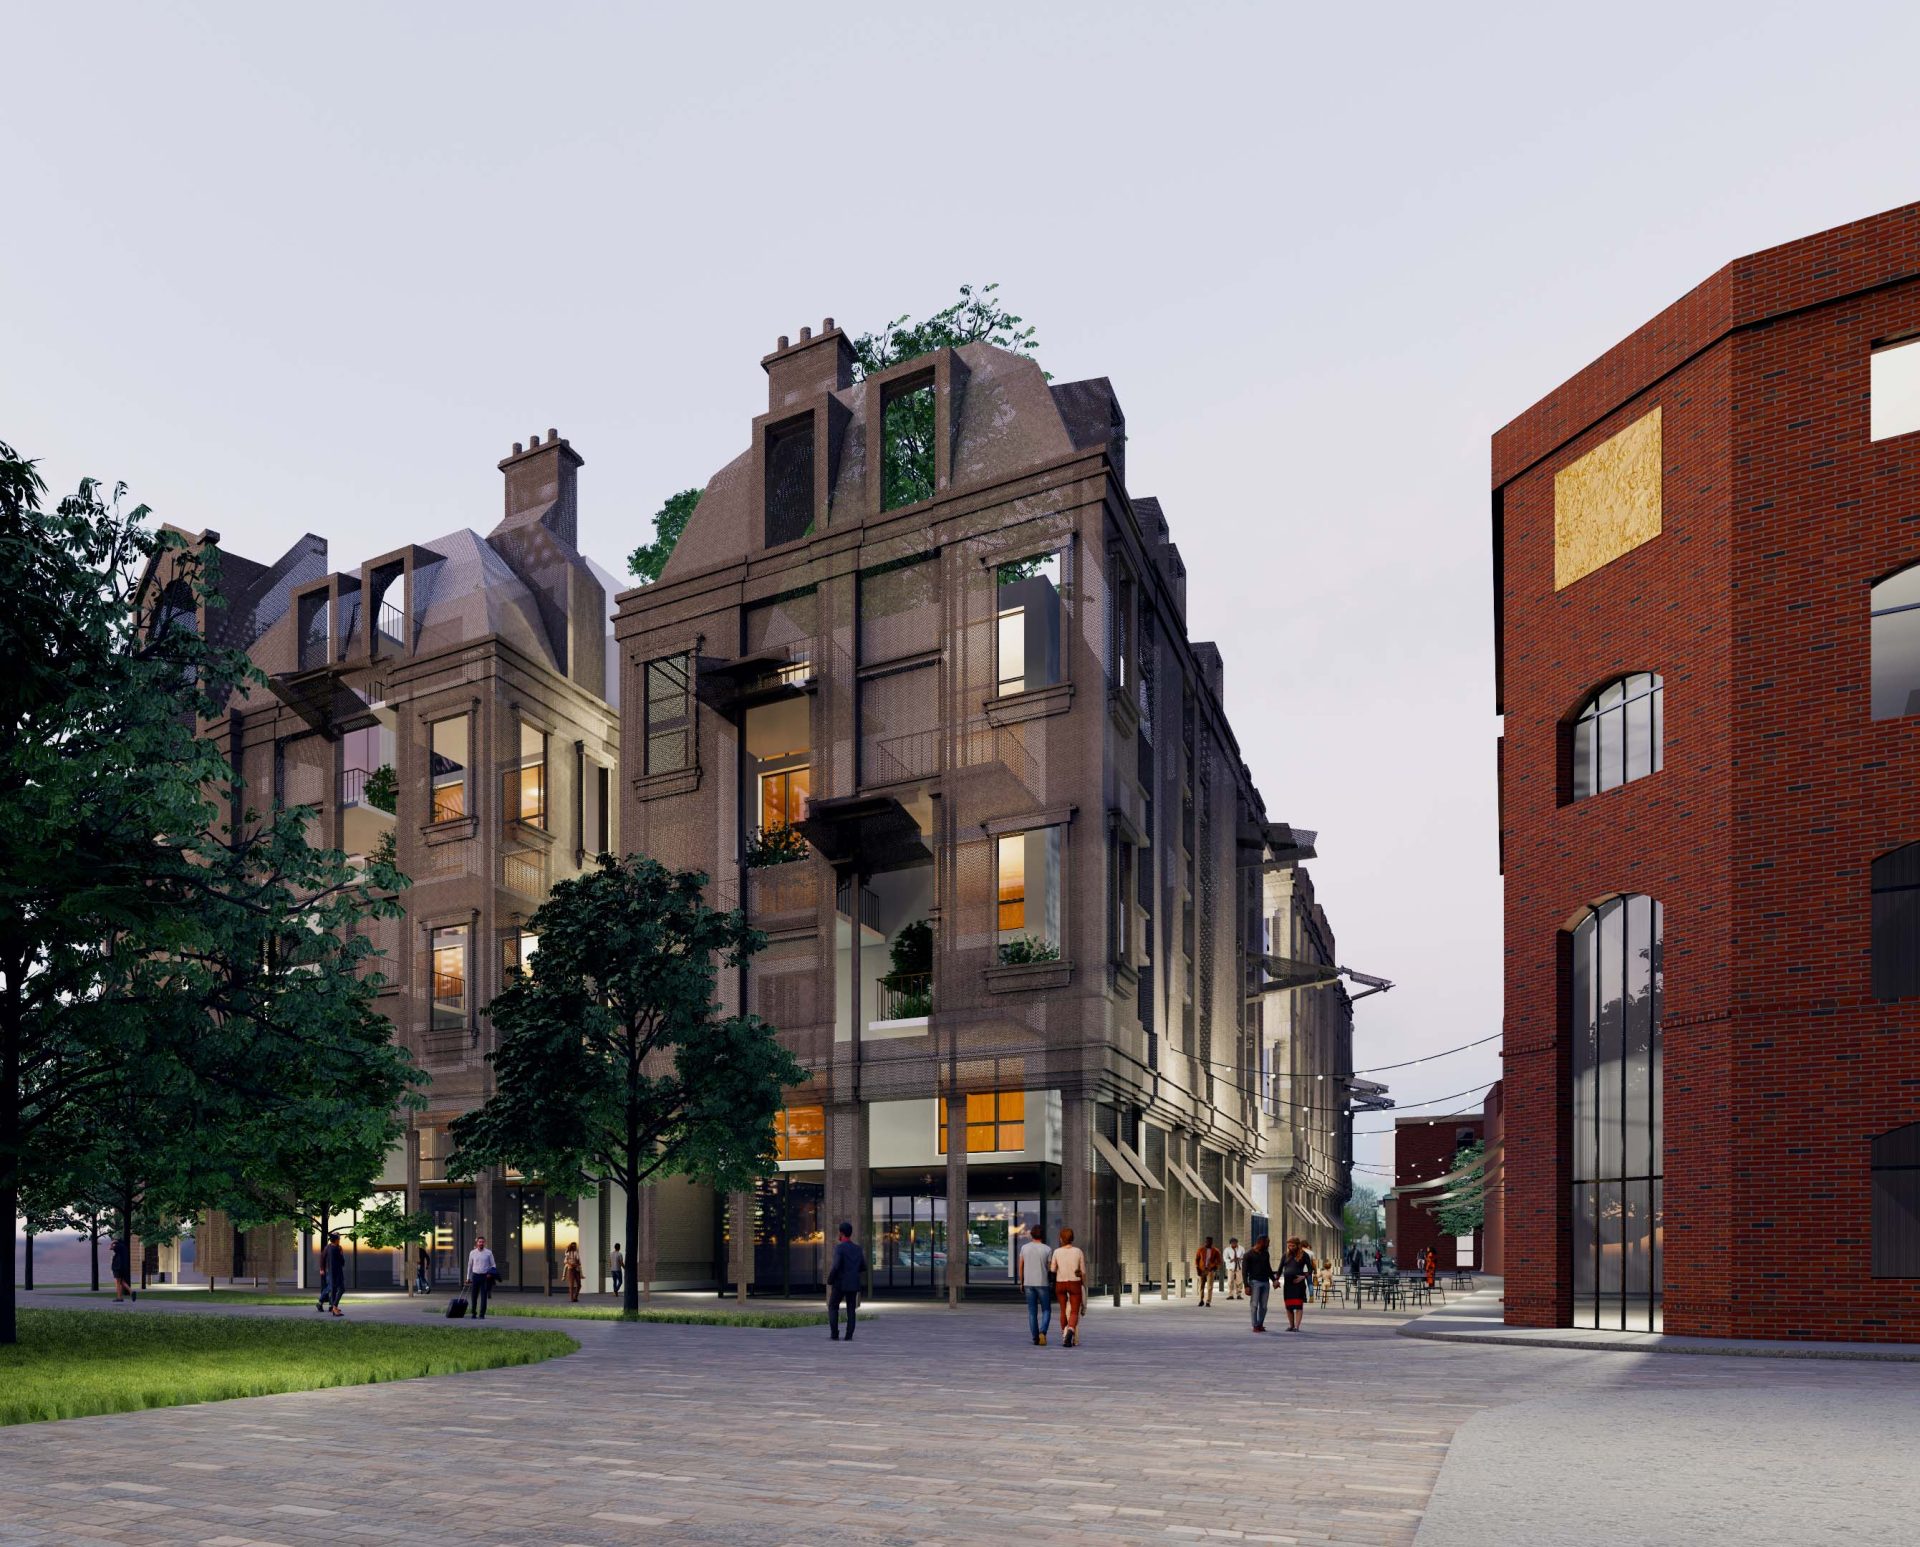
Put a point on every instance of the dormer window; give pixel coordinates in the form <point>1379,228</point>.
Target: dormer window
<point>789,481</point>
<point>906,443</point>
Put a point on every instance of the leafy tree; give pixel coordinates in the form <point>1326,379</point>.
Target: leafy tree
<point>669,521</point>
<point>1360,1218</point>
<point>614,1062</point>
<point>1464,1209</point>
<point>977,317</point>
<point>387,1226</point>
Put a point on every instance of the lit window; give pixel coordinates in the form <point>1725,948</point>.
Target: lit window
<point>1895,608</point>
<point>669,714</point>
<point>1896,923</point>
<point>516,952</point>
<point>996,1122</point>
<point>783,797</point>
<point>1618,736</point>
<point>800,1133</point>
<point>1027,895</point>
<point>1027,638</point>
<point>448,949</point>
<point>449,768</point>
<point>526,783</point>
<point>1893,390</point>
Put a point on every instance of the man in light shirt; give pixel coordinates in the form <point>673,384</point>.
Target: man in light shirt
<point>1234,1283</point>
<point>1030,1269</point>
<point>480,1275</point>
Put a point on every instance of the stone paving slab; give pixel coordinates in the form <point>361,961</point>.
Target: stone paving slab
<point>1172,1423</point>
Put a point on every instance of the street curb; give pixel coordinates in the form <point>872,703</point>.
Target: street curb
<point>1729,1348</point>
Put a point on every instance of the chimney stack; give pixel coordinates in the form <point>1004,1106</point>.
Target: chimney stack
<point>540,487</point>
<point>819,362</point>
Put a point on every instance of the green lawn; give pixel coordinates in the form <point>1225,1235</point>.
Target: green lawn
<point>568,1311</point>
<point>69,1364</point>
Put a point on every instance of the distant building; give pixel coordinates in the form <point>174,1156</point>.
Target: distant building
<point>1425,1151</point>
<point>1706,552</point>
<point>451,698</point>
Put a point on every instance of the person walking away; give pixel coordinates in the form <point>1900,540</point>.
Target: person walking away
<point>481,1272</point>
<point>1236,1284</point>
<point>617,1268</point>
<point>1069,1268</point>
<point>336,1272</point>
<point>1257,1269</point>
<point>120,1264</point>
<point>843,1282</point>
<point>423,1272</point>
<point>1030,1271</point>
<point>574,1271</point>
<point>1296,1274</point>
<point>1206,1268</point>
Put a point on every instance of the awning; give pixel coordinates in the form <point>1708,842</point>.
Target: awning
<point>1484,1163</point>
<point>870,833</point>
<point>1191,1180</point>
<point>1126,1165</point>
<point>1239,1192</point>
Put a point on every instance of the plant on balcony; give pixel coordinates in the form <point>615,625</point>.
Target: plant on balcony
<point>775,846</point>
<point>1027,950</point>
<point>909,985</point>
<point>383,789</point>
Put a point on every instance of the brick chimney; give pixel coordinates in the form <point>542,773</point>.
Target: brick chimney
<point>540,487</point>
<point>820,362</point>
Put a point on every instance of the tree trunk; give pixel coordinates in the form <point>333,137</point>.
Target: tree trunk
<point>10,1207</point>
<point>94,1240</point>
<point>28,1285</point>
<point>630,1285</point>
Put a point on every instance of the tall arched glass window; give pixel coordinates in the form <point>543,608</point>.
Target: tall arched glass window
<point>1616,1116</point>
<point>1617,737</point>
<point>1896,645</point>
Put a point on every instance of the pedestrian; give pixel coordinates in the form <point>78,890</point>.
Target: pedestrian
<point>1257,1268</point>
<point>1030,1272</point>
<point>1433,1262</point>
<point>843,1282</point>
<point>1236,1284</point>
<point>1069,1267</point>
<point>574,1271</point>
<point>335,1281</point>
<point>120,1264</point>
<point>617,1268</point>
<point>423,1272</point>
<point>1296,1279</point>
<point>1378,1255</point>
<point>1206,1268</point>
<point>481,1272</point>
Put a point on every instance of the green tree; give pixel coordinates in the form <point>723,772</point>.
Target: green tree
<point>387,1226</point>
<point>1463,1209</point>
<point>1360,1218</point>
<point>614,1062</point>
<point>978,317</point>
<point>669,521</point>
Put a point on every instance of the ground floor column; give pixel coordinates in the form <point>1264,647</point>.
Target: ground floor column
<point>1076,1176</point>
<point>959,1238</point>
<point>848,1182</point>
<point>740,1242</point>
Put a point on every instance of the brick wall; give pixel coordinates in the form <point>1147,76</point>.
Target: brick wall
<point>1777,789</point>
<point>1422,1150</point>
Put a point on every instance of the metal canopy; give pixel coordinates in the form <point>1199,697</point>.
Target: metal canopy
<point>1192,1179</point>
<point>870,834</point>
<point>1126,1165</point>
<point>321,699</point>
<point>1288,972</point>
<point>761,678</point>
<point>1239,1192</point>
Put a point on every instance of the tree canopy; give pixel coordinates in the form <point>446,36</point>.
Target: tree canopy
<point>1464,1208</point>
<point>614,1060</point>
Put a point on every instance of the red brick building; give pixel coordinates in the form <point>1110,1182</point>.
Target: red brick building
<point>1708,658</point>
<point>1423,1150</point>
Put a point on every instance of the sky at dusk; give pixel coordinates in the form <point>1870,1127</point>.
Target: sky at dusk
<point>287,270</point>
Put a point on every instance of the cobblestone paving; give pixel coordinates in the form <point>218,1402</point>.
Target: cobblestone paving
<point>1171,1423</point>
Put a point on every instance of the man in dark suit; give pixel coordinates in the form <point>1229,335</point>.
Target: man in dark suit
<point>843,1282</point>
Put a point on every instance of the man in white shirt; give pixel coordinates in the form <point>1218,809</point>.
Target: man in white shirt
<point>1234,1285</point>
<point>481,1272</point>
<point>1030,1272</point>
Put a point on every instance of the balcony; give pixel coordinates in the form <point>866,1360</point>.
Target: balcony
<point>390,630</point>
<point>368,798</point>
<point>905,996</point>
<point>783,896</point>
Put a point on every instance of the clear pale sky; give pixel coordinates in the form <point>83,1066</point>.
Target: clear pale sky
<point>288,270</point>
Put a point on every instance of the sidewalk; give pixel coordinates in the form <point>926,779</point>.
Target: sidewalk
<point>1477,1319</point>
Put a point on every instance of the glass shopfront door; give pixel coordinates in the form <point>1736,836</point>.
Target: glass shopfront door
<point>455,1224</point>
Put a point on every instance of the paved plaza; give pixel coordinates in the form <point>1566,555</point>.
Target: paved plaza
<point>1172,1423</point>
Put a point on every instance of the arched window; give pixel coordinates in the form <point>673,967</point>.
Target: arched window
<point>1617,737</point>
<point>1895,607</point>
<point>1617,1166</point>
<point>1895,1159</point>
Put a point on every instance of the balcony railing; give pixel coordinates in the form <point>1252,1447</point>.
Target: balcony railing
<point>391,624</point>
<point>906,996</point>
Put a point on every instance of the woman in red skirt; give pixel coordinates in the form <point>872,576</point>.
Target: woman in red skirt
<point>1296,1274</point>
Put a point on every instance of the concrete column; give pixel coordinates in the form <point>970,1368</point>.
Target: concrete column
<point>740,1270</point>
<point>1076,1173</point>
<point>849,1186</point>
<point>1177,1145</point>
<point>956,1198</point>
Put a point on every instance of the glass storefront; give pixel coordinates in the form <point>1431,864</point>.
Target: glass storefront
<point>911,1239</point>
<point>789,1241</point>
<point>455,1225</point>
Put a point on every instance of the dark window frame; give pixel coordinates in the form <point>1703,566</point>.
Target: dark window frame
<point>1600,738</point>
<point>667,713</point>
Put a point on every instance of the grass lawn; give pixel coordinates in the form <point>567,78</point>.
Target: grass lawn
<point>568,1311</point>
<point>69,1364</point>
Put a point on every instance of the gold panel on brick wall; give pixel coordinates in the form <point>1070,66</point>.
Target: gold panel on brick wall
<point>1608,502</point>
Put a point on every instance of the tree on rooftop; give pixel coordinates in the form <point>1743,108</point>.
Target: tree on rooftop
<point>614,1061</point>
